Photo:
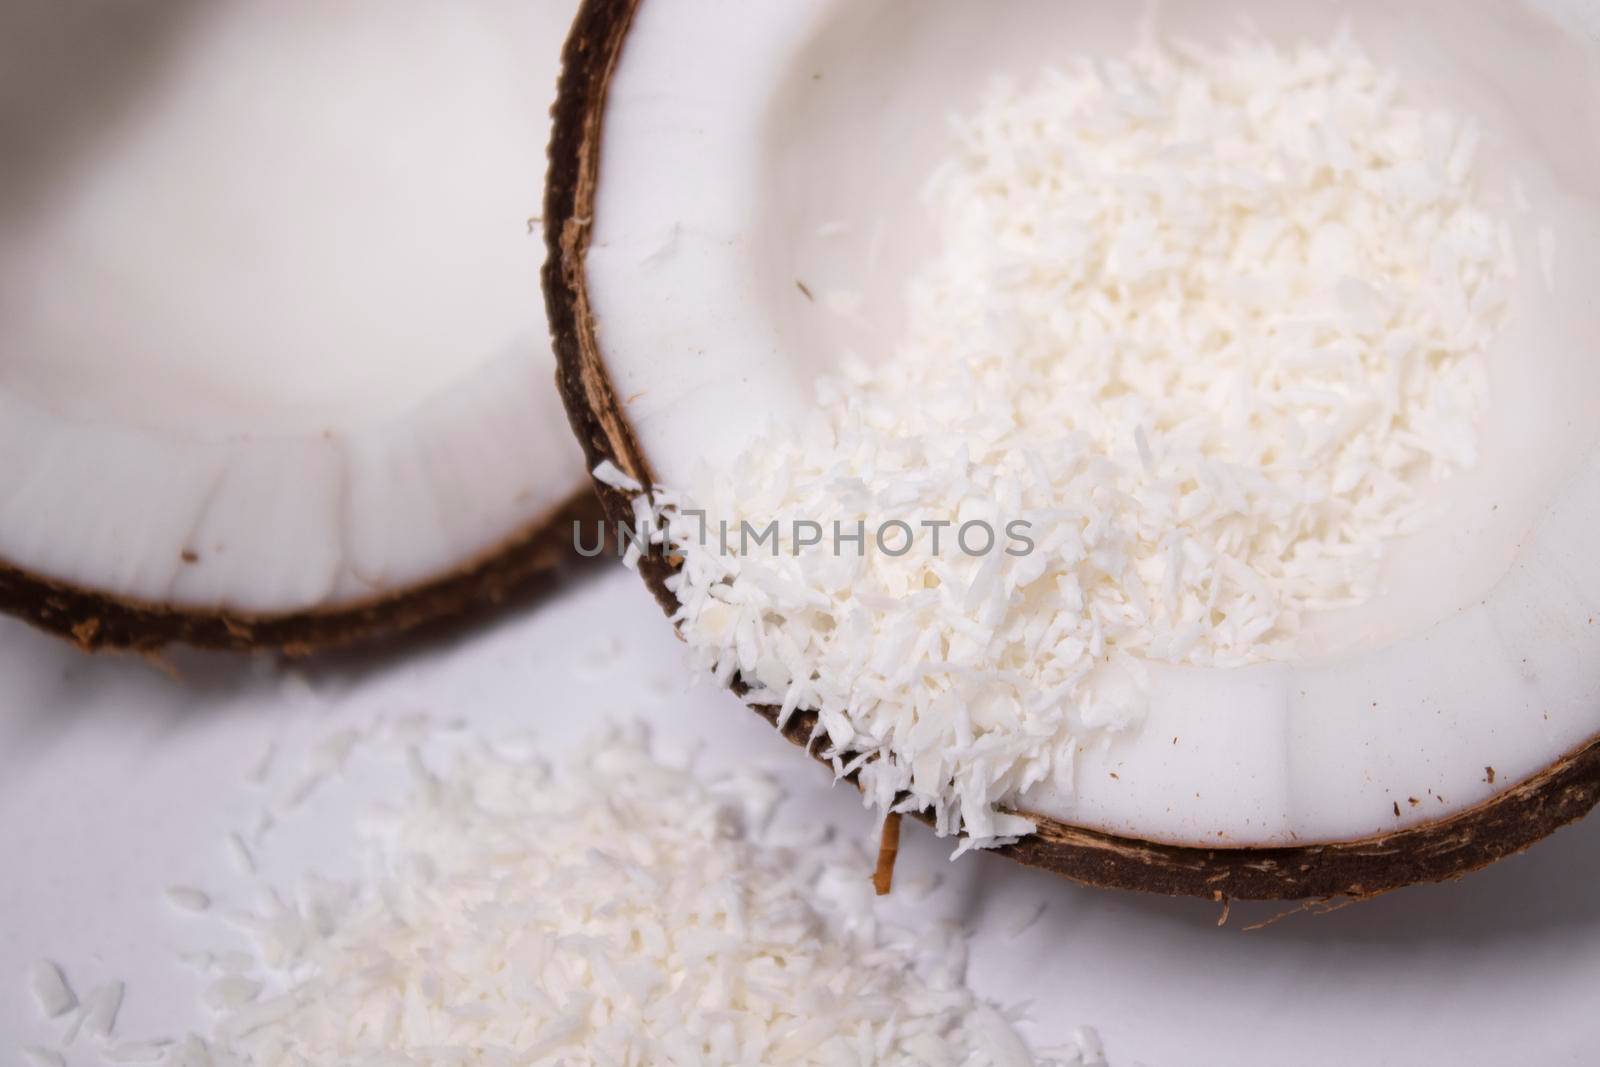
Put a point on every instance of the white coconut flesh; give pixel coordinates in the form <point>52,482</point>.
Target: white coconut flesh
<point>269,309</point>
<point>728,142</point>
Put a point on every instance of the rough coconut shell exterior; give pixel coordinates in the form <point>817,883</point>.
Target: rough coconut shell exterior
<point>1506,824</point>
<point>95,620</point>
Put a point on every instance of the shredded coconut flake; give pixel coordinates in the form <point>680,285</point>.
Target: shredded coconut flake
<point>137,1052</point>
<point>239,854</point>
<point>262,768</point>
<point>1206,323</point>
<point>191,1052</point>
<point>100,1009</point>
<point>232,992</point>
<point>51,993</point>
<point>185,898</point>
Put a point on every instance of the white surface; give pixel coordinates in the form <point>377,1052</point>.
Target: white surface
<point>269,295</point>
<point>117,781</point>
<point>710,207</point>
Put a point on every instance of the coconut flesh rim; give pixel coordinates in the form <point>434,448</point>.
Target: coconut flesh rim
<point>1479,652</point>
<point>268,307</point>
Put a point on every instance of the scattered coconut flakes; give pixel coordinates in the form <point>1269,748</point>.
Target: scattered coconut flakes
<point>264,823</point>
<point>414,727</point>
<point>187,898</point>
<point>75,1022</point>
<point>51,993</point>
<point>200,961</point>
<point>1206,321</point>
<point>332,753</point>
<point>1086,1038</point>
<point>300,791</point>
<point>192,1051</point>
<point>239,854</point>
<point>232,961</point>
<point>615,909</point>
<point>136,1052</point>
<point>324,760</point>
<point>227,961</point>
<point>231,993</point>
<point>261,770</point>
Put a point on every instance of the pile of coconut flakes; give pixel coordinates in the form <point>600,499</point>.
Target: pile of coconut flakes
<point>618,909</point>
<point>1208,321</point>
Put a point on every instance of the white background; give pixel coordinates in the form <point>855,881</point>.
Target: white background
<point>117,780</point>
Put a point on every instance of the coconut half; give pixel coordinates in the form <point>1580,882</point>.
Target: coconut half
<point>1450,721</point>
<point>275,371</point>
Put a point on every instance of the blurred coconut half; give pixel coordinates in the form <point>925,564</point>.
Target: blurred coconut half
<point>274,370</point>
